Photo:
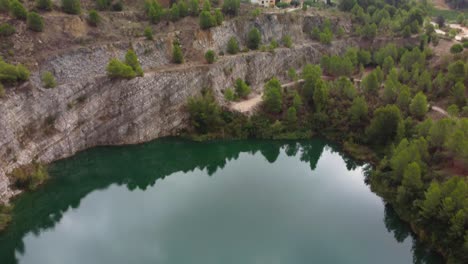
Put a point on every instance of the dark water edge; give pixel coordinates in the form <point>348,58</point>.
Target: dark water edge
<point>138,167</point>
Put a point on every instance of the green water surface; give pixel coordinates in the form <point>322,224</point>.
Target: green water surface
<point>175,201</point>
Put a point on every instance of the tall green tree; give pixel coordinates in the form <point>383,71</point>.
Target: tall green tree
<point>418,106</point>
<point>385,126</point>
<point>254,38</point>
<point>311,74</point>
<point>131,59</point>
<point>273,96</point>
<point>71,6</point>
<point>320,96</point>
<point>359,110</point>
<point>177,54</point>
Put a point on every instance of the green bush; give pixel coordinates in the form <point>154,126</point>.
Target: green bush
<point>282,5</point>
<point>456,48</point>
<point>219,18</point>
<point>48,80</point>
<point>229,95</point>
<point>44,5</point>
<point>453,110</point>
<point>22,73</point>
<point>233,46</point>
<point>71,6</point>
<point>210,56</point>
<point>131,60</point>
<point>93,18</point>
<point>287,41</point>
<point>205,113</point>
<point>326,36</point>
<point>10,73</point>
<point>18,10</point>
<point>154,11</point>
<point>465,44</point>
<point>254,39</point>
<point>418,106</point>
<point>6,30</point>
<point>241,88</point>
<point>231,7</point>
<point>207,20</point>
<point>174,12</point>
<point>35,22</point>
<point>118,69</point>
<point>29,177</point>
<point>194,7</point>
<point>183,9</point>
<point>177,55</point>
<point>148,33</point>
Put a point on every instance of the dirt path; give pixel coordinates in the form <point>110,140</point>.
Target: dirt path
<point>439,110</point>
<point>247,106</point>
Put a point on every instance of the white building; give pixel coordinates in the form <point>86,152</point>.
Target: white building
<point>265,3</point>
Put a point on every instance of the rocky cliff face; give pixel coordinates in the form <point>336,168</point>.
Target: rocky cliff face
<point>88,109</point>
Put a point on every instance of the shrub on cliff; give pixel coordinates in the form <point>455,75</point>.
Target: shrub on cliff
<point>219,17</point>
<point>177,55</point>
<point>10,73</point>
<point>241,88</point>
<point>6,30</point>
<point>207,20</point>
<point>48,80</point>
<point>210,56</point>
<point>233,46</point>
<point>205,113</point>
<point>29,177</point>
<point>44,5</point>
<point>253,39</point>
<point>131,60</point>
<point>18,10</point>
<point>231,7</point>
<point>154,11</point>
<point>35,22</point>
<point>287,41</point>
<point>148,33</point>
<point>118,69</point>
<point>456,48</point>
<point>93,18</point>
<point>71,6</point>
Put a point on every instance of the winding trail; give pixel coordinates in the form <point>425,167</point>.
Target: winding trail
<point>249,105</point>
<point>439,110</point>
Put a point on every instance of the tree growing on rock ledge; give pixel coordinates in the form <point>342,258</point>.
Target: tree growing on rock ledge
<point>131,60</point>
<point>35,22</point>
<point>253,39</point>
<point>177,55</point>
<point>118,69</point>
<point>71,6</point>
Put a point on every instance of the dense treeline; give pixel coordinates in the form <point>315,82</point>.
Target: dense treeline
<point>384,118</point>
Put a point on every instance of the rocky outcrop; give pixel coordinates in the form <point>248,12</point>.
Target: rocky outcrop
<point>88,109</point>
